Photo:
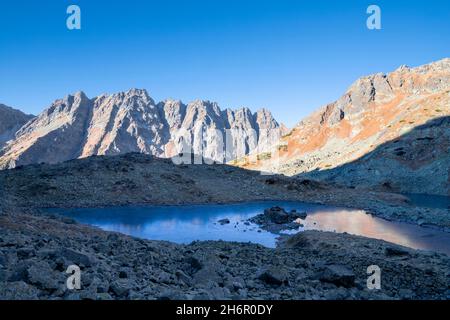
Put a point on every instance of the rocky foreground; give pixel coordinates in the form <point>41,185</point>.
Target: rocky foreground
<point>37,248</point>
<point>35,251</point>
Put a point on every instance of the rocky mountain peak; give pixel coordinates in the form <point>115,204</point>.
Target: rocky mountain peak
<point>375,110</point>
<point>174,112</point>
<point>130,121</point>
<point>265,118</point>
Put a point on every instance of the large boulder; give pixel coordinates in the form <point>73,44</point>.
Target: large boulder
<point>338,275</point>
<point>279,215</point>
<point>273,276</point>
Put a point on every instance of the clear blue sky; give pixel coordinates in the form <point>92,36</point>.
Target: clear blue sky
<point>289,56</point>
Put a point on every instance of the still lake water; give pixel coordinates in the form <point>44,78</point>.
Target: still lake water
<point>428,201</point>
<point>184,224</point>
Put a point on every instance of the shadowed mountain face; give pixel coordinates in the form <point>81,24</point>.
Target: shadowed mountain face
<point>10,121</point>
<point>375,110</point>
<point>416,162</point>
<point>78,127</point>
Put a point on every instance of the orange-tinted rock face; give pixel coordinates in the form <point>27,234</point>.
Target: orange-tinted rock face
<point>375,110</point>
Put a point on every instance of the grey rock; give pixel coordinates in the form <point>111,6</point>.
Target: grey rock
<point>164,277</point>
<point>183,277</point>
<point>281,216</point>
<point>172,295</point>
<point>277,219</point>
<point>104,296</point>
<point>395,252</point>
<point>243,293</point>
<point>123,273</point>
<point>101,286</point>
<point>237,285</point>
<point>298,215</point>
<point>43,277</point>
<point>224,221</point>
<point>207,275</point>
<point>272,276</point>
<point>24,253</point>
<point>3,259</point>
<point>277,215</point>
<point>20,272</point>
<point>18,290</point>
<point>73,296</point>
<point>203,295</point>
<point>121,287</point>
<point>339,275</point>
<point>75,257</point>
<point>406,294</point>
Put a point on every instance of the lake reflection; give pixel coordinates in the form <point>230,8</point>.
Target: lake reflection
<point>361,223</point>
<point>184,224</point>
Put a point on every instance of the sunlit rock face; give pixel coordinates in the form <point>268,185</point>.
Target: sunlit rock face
<point>389,130</point>
<point>131,121</point>
<point>11,120</point>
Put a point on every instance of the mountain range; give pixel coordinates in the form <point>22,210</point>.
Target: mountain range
<point>131,121</point>
<point>388,131</point>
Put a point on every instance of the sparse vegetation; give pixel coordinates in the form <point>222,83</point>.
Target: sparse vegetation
<point>282,147</point>
<point>264,156</point>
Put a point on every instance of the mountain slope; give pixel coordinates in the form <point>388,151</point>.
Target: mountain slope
<point>10,121</point>
<point>375,109</point>
<point>77,127</point>
<point>416,162</point>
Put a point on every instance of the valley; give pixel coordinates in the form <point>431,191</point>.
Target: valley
<point>98,182</point>
<point>310,265</point>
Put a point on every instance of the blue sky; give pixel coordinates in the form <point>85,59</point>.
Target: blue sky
<point>289,56</point>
